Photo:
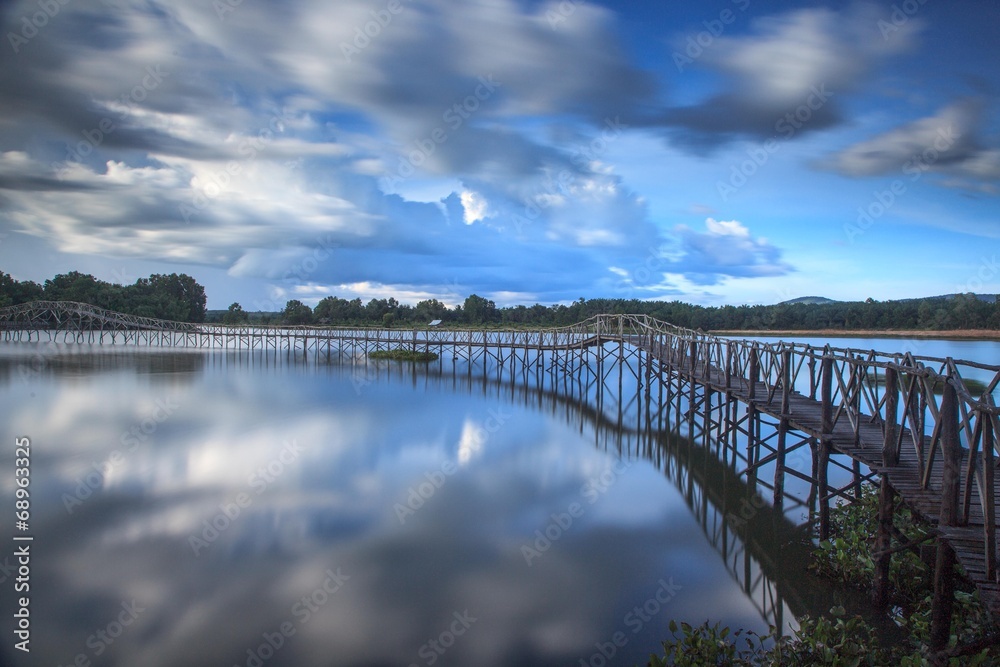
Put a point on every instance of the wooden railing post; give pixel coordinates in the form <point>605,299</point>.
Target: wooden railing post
<point>813,384</point>
<point>826,395</point>
<point>944,570</point>
<point>990,507</point>
<point>951,457</point>
<point>786,380</point>
<point>889,435</point>
<point>822,453</point>
<point>886,495</point>
<point>754,372</point>
<point>729,364</point>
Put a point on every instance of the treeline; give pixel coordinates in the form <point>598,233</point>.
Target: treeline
<point>963,311</point>
<point>176,297</point>
<point>179,297</point>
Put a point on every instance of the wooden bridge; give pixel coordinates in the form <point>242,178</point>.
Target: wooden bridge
<point>909,421</point>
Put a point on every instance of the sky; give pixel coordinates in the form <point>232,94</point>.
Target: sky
<point>718,152</point>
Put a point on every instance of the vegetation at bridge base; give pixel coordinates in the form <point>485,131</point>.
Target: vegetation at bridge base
<point>844,641</point>
<point>176,297</point>
<point>403,355</point>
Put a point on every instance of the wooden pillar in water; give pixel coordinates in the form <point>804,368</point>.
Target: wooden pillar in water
<point>989,524</point>
<point>649,367</point>
<point>944,570</point>
<point>821,454</point>
<point>692,397</point>
<point>779,464</point>
<point>886,495</point>
<point>752,418</point>
<point>621,363</point>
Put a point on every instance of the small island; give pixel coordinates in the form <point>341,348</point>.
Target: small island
<point>403,355</point>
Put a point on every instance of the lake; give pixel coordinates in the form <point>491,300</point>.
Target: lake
<point>218,508</point>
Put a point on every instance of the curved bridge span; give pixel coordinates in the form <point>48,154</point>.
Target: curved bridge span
<point>912,422</point>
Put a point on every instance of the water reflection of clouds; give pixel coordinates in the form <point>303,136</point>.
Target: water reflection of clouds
<point>333,507</point>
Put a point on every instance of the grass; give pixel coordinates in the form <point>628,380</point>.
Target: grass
<point>403,355</point>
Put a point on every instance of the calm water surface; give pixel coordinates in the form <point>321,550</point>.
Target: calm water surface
<point>207,509</point>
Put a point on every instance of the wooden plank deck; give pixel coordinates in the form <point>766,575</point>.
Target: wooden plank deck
<point>805,415</point>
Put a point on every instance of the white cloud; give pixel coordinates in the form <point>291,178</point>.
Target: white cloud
<point>723,228</point>
<point>475,206</point>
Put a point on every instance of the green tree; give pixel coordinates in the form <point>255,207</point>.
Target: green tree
<point>478,310</point>
<point>13,292</point>
<point>235,315</point>
<point>430,310</point>
<point>296,312</point>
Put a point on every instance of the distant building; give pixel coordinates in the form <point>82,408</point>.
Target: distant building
<point>434,323</point>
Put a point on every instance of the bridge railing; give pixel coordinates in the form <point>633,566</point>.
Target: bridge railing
<point>927,404</point>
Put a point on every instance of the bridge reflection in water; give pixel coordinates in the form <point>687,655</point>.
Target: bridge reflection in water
<point>766,550</point>
<point>804,425</point>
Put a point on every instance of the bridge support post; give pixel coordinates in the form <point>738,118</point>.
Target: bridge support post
<point>990,518</point>
<point>883,555</point>
<point>779,464</point>
<point>886,495</point>
<point>822,456</point>
<point>821,453</point>
<point>944,570</point>
<point>693,352</point>
<point>753,446</point>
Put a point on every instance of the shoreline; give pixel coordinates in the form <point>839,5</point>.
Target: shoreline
<point>950,334</point>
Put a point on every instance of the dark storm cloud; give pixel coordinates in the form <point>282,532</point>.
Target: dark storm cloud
<point>789,77</point>
<point>949,143</point>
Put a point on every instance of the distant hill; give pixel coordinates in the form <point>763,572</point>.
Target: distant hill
<point>819,300</point>
<point>808,300</point>
<point>988,298</point>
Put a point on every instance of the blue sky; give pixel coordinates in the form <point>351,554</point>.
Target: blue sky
<point>728,151</point>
